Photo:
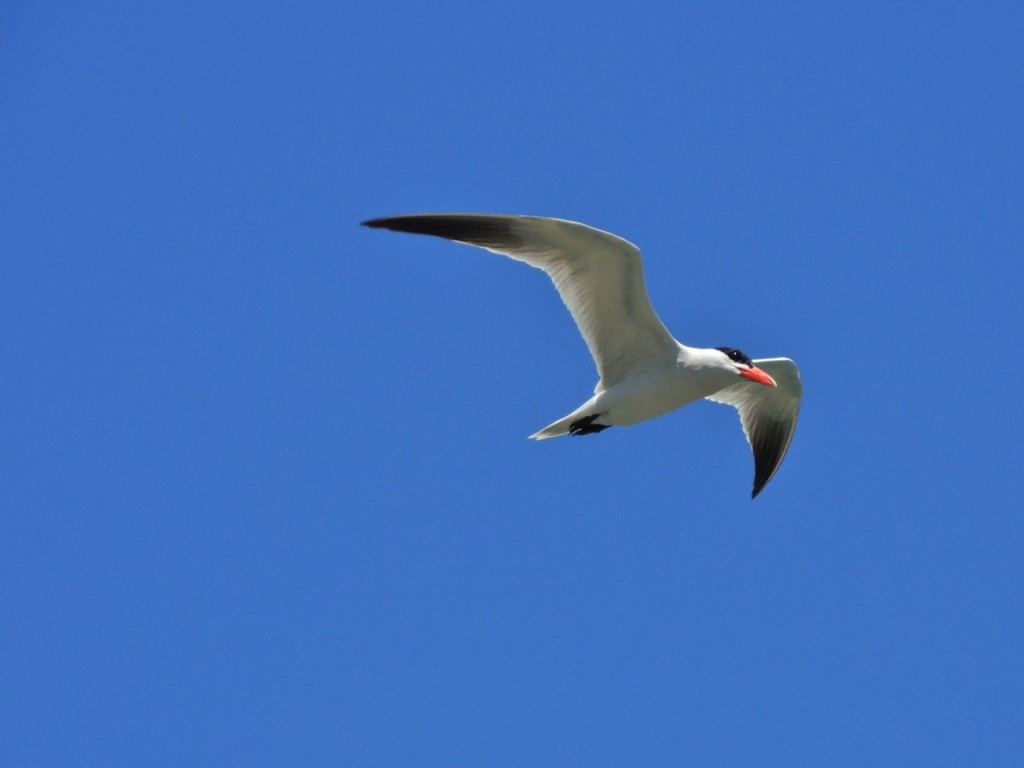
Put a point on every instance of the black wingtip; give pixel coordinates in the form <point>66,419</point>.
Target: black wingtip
<point>769,443</point>
<point>485,230</point>
<point>762,474</point>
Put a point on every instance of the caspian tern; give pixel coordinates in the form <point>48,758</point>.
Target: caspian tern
<point>644,372</point>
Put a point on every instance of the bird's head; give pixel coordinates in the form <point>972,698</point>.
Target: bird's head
<point>745,367</point>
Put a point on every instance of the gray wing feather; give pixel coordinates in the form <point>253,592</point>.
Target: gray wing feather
<point>598,275</point>
<point>768,415</point>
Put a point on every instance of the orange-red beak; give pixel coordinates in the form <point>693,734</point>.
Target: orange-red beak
<point>756,374</point>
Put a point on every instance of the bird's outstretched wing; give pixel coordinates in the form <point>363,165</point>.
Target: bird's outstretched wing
<point>768,415</point>
<point>598,275</point>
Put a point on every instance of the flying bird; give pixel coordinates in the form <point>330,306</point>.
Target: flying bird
<point>644,372</point>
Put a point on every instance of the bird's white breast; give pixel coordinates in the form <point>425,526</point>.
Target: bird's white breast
<point>657,391</point>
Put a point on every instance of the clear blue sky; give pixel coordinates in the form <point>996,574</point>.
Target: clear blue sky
<point>266,492</point>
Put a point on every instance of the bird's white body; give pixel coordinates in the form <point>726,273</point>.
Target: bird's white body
<point>644,372</point>
<point>664,386</point>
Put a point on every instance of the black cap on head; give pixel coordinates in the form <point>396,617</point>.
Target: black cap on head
<point>736,356</point>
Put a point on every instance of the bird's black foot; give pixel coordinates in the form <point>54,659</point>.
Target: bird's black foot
<point>586,426</point>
